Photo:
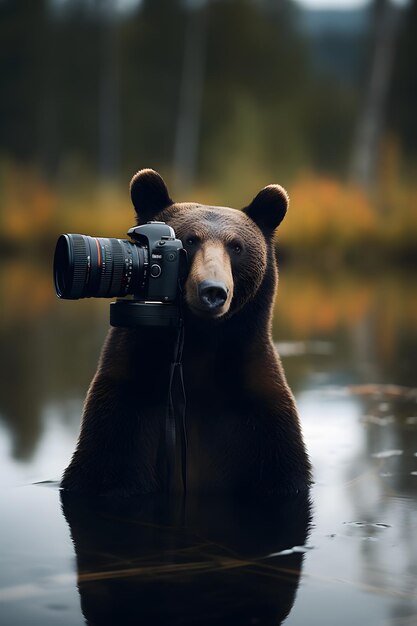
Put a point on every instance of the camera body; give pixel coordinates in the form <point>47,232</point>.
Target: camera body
<point>162,269</point>
<point>150,268</point>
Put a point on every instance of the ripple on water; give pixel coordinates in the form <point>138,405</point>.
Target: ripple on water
<point>368,524</point>
<point>386,454</point>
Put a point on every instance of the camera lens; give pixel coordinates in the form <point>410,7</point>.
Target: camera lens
<point>99,267</point>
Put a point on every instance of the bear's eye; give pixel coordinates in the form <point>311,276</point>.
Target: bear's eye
<point>236,247</point>
<point>191,241</point>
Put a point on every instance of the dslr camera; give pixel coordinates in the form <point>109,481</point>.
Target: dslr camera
<point>150,268</point>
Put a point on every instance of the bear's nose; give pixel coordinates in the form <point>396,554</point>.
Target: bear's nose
<point>212,294</point>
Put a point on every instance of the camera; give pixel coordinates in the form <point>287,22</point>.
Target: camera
<point>150,268</point>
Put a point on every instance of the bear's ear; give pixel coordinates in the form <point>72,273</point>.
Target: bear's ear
<point>149,194</point>
<point>268,208</point>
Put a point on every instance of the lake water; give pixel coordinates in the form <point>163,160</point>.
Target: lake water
<point>347,555</point>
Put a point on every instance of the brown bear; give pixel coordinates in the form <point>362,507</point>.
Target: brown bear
<point>242,425</point>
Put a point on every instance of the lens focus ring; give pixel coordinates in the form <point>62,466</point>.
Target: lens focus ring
<point>106,268</point>
<point>118,267</point>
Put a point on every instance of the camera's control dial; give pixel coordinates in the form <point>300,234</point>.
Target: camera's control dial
<point>156,270</point>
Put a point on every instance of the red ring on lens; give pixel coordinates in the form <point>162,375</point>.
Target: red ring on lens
<point>98,252</point>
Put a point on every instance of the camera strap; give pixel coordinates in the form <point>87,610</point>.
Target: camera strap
<point>175,424</point>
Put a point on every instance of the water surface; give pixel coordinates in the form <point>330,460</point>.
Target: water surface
<point>347,555</point>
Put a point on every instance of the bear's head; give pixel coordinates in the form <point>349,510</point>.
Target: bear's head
<point>227,248</point>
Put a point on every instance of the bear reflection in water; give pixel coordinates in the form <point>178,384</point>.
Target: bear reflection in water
<point>208,561</point>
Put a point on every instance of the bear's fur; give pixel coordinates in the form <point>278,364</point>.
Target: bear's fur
<point>242,424</point>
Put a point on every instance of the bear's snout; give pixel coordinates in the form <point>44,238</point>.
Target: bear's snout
<point>209,286</point>
<point>212,294</point>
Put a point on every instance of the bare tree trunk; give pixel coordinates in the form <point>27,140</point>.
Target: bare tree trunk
<point>48,111</point>
<point>371,122</point>
<point>109,129</point>
<point>192,82</point>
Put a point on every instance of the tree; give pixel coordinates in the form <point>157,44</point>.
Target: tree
<point>402,105</point>
<point>372,119</point>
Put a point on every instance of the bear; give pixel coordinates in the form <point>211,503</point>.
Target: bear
<point>242,425</point>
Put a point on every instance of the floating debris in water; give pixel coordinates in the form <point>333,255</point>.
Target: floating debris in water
<point>368,524</point>
<point>379,421</point>
<point>383,406</point>
<point>386,474</point>
<point>378,391</point>
<point>293,550</point>
<point>383,390</point>
<point>297,348</point>
<point>55,484</point>
<point>386,454</point>
<point>413,473</point>
<point>411,420</point>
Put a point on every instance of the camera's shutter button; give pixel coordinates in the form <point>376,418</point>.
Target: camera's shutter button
<point>155,270</point>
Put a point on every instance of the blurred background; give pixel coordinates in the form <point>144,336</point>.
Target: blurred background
<point>223,97</point>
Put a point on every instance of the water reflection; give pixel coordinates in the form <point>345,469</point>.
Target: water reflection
<point>348,345</point>
<point>211,561</point>
<point>49,354</point>
<point>344,329</point>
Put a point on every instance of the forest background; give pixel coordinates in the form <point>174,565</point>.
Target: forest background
<point>222,97</point>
